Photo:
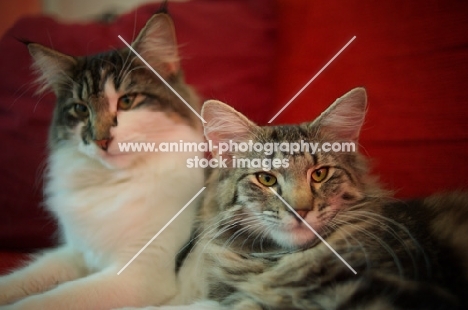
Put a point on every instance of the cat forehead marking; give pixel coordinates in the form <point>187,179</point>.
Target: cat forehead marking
<point>111,94</point>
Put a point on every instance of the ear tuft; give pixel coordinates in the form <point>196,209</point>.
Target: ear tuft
<point>344,118</point>
<point>54,68</point>
<point>157,44</point>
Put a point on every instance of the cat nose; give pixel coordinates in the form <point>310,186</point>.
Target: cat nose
<point>302,213</point>
<point>103,143</point>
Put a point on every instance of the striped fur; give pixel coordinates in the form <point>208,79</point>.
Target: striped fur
<point>407,254</point>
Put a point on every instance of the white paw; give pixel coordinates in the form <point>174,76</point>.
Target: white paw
<point>134,308</point>
<point>202,305</point>
<point>7,293</point>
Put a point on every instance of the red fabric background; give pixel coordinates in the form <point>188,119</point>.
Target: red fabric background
<point>412,56</point>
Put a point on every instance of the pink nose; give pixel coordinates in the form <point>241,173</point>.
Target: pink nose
<point>302,213</point>
<point>103,144</point>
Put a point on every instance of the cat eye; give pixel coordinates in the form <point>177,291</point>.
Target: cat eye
<point>126,101</point>
<point>266,179</point>
<point>319,174</point>
<point>81,110</point>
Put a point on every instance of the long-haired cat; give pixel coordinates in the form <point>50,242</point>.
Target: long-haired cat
<point>109,203</point>
<point>255,253</point>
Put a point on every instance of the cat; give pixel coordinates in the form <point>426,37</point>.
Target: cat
<point>109,203</point>
<point>252,252</point>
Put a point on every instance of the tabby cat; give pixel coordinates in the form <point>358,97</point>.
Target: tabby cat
<point>109,203</point>
<point>255,253</point>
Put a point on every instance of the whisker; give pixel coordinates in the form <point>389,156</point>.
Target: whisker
<point>376,238</point>
<point>398,237</point>
<point>346,235</point>
<point>227,244</point>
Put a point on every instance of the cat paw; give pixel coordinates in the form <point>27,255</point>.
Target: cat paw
<point>5,295</point>
<point>196,306</point>
<point>10,292</point>
<point>135,308</point>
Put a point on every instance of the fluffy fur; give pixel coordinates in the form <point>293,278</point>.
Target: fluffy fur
<point>253,253</point>
<point>109,204</point>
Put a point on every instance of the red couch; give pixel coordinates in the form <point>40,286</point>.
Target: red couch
<point>411,56</point>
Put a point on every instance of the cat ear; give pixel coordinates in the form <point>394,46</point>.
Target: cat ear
<point>344,118</point>
<point>157,44</point>
<point>223,123</point>
<point>54,68</point>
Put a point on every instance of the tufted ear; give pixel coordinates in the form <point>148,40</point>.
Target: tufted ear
<point>54,68</point>
<point>344,118</point>
<point>223,123</point>
<point>157,44</point>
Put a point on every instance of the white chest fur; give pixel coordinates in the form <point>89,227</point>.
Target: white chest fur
<point>108,215</point>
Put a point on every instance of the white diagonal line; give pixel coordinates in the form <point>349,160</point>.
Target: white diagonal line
<point>311,80</point>
<point>161,230</point>
<point>313,230</point>
<point>161,78</point>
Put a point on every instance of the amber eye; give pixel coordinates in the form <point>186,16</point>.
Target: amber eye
<point>266,179</point>
<point>126,102</point>
<point>81,110</point>
<point>319,175</point>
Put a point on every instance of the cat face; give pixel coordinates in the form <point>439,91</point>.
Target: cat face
<point>317,186</point>
<point>113,97</point>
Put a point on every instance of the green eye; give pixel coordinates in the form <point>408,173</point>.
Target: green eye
<point>266,179</point>
<point>319,175</point>
<point>81,110</point>
<point>126,101</point>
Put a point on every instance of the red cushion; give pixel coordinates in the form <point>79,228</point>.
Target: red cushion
<point>227,49</point>
<point>11,260</point>
<point>412,58</point>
